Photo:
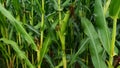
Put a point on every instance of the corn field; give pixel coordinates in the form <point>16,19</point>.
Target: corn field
<point>59,33</point>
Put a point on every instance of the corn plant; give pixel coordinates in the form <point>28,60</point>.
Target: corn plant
<point>59,33</point>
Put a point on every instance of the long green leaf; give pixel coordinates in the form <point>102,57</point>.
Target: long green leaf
<point>45,48</point>
<point>102,26</point>
<point>95,46</point>
<point>17,24</point>
<point>17,50</point>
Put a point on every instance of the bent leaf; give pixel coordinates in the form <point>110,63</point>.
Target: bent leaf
<point>18,51</point>
<point>18,26</point>
<point>95,46</point>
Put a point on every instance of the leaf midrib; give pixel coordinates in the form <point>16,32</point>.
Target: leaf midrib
<point>93,44</point>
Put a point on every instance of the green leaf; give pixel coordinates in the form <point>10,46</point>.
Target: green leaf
<point>18,25</point>
<point>49,60</point>
<point>64,22</point>
<point>95,46</point>
<point>102,27</point>
<point>66,3</point>
<point>32,28</point>
<point>83,65</point>
<point>80,50</point>
<point>17,50</point>
<point>45,47</point>
<point>40,8</point>
<point>114,8</point>
<point>16,5</point>
<point>55,4</point>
